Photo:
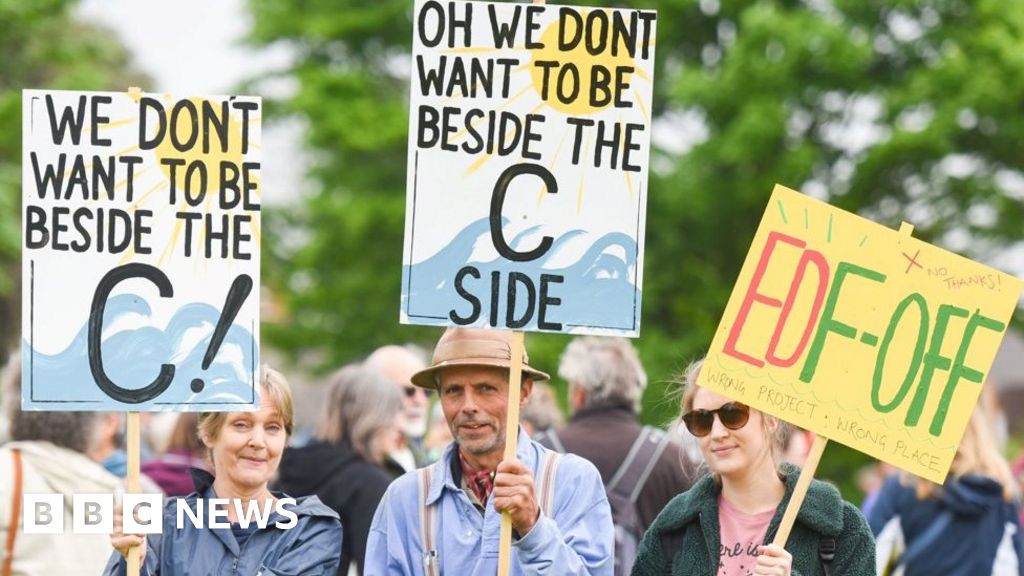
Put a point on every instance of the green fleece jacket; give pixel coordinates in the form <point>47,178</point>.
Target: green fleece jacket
<point>693,517</point>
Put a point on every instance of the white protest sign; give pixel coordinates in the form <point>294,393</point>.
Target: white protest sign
<point>140,249</point>
<point>527,170</point>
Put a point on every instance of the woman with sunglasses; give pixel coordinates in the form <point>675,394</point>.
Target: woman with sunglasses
<point>724,524</point>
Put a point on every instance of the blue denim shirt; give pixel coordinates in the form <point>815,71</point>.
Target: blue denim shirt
<point>577,537</point>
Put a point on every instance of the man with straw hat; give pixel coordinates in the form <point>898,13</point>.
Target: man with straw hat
<point>445,519</point>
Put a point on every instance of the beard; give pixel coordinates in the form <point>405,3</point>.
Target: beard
<point>415,427</point>
<point>478,445</point>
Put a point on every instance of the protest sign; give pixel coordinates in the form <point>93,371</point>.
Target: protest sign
<point>140,249</point>
<point>527,170</point>
<point>864,335</point>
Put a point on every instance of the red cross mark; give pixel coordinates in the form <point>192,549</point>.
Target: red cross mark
<point>912,261</point>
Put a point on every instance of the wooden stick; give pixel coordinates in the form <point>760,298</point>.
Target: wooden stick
<point>515,377</point>
<point>133,434</point>
<point>802,483</point>
<point>133,440</point>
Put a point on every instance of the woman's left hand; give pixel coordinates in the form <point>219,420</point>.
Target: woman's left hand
<point>773,560</point>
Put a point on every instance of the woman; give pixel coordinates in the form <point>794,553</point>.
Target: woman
<point>245,450</point>
<point>346,463</point>
<point>723,524</point>
<point>969,526</point>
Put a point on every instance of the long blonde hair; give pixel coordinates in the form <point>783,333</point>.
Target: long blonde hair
<point>775,430</point>
<point>978,454</point>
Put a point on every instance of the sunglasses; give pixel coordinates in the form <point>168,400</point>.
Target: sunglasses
<point>411,391</point>
<point>732,415</point>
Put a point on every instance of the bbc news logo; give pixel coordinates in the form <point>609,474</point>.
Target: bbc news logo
<point>143,513</point>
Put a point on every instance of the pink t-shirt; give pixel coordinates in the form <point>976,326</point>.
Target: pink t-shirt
<point>741,535</point>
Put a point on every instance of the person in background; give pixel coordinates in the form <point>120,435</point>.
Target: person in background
<point>446,518</point>
<point>344,463</point>
<point>723,524</point>
<point>171,470</point>
<point>870,479</point>
<point>245,451</point>
<point>439,435</point>
<point>796,444</point>
<point>399,363</point>
<point>968,526</point>
<point>541,412</point>
<point>47,454</point>
<point>109,450</point>
<point>641,467</point>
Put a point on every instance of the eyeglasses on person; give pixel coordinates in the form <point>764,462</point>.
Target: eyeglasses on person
<point>411,391</point>
<point>733,416</point>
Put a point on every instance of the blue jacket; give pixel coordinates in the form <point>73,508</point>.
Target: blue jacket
<point>983,527</point>
<point>311,548</point>
<point>576,537</point>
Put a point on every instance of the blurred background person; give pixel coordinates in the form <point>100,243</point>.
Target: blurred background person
<point>345,463</point>
<point>642,467</point>
<point>110,451</point>
<point>968,526</point>
<point>796,444</point>
<point>870,479</point>
<point>184,451</point>
<point>48,454</point>
<point>244,449</point>
<point>399,363</point>
<point>541,412</point>
<point>439,435</point>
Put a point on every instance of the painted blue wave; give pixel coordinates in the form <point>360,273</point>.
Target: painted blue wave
<point>132,359</point>
<point>597,294</point>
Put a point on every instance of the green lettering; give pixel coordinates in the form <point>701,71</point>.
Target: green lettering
<point>960,370</point>
<point>828,323</point>
<point>932,360</point>
<point>883,350</point>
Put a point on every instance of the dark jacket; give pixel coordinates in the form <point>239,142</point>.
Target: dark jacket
<point>693,516</point>
<point>344,481</point>
<point>311,548</point>
<point>982,527</point>
<point>604,436</point>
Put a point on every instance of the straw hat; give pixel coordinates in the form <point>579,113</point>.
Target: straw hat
<point>473,347</point>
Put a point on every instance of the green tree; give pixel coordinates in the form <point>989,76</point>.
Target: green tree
<point>894,109</point>
<point>45,46</point>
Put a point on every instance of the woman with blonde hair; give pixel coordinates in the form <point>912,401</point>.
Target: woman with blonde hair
<point>968,526</point>
<point>723,525</point>
<point>244,449</point>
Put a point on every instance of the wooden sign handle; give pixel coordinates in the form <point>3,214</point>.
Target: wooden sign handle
<point>515,377</point>
<point>133,438</point>
<point>802,483</point>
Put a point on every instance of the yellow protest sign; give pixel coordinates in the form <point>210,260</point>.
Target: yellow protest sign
<point>860,333</point>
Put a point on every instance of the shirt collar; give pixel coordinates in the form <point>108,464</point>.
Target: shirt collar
<point>449,470</point>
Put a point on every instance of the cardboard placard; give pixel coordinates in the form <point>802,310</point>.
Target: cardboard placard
<point>528,159</point>
<point>140,248</point>
<point>859,333</point>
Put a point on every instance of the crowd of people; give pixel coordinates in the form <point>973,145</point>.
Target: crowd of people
<point>405,472</point>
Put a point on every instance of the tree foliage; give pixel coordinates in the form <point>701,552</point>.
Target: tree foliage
<point>44,46</point>
<point>897,110</point>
